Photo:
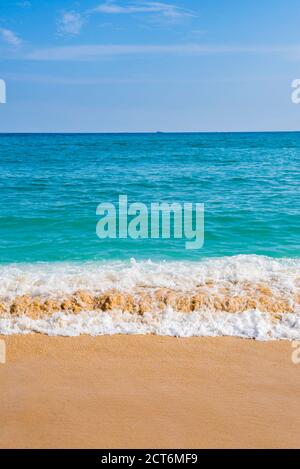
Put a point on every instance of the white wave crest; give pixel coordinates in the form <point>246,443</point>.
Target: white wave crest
<point>250,324</point>
<point>58,279</point>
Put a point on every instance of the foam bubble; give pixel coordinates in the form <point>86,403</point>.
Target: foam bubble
<point>251,324</point>
<point>58,279</point>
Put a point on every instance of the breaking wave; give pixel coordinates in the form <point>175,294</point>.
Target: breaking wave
<point>246,296</point>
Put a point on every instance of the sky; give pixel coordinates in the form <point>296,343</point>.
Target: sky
<point>144,66</point>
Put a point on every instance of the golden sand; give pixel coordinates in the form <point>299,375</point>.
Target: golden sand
<point>148,392</point>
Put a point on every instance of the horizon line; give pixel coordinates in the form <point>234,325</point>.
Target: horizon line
<point>152,132</point>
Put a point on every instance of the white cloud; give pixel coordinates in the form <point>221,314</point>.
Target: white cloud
<point>10,37</point>
<point>163,9</point>
<point>129,80</point>
<point>70,23</point>
<point>82,80</point>
<point>95,52</point>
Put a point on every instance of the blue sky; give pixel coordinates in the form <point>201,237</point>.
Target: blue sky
<point>179,65</point>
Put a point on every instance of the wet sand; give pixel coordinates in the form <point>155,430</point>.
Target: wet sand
<point>148,392</point>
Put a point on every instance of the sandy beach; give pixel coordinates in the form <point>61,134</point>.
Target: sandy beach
<point>147,391</point>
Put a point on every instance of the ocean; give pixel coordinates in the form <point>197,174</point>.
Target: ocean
<point>246,273</point>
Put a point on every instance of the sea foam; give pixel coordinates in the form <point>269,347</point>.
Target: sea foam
<point>57,279</point>
<point>272,281</point>
<point>249,324</point>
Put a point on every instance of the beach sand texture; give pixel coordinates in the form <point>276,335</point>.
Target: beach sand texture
<point>148,392</point>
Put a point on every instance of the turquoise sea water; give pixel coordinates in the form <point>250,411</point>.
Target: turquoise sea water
<point>52,184</point>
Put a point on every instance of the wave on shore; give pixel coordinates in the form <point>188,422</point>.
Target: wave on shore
<point>246,296</point>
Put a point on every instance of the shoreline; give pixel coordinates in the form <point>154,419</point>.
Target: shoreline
<point>148,391</point>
